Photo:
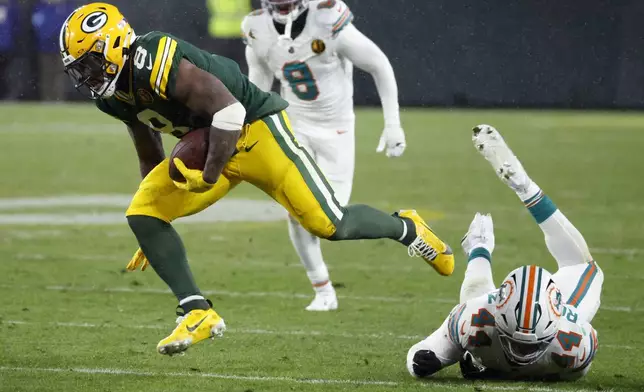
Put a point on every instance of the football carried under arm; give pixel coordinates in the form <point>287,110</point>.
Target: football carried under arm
<point>207,96</point>
<point>367,56</point>
<point>149,146</point>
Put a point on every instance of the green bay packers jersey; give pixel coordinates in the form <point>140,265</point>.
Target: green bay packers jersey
<point>153,70</point>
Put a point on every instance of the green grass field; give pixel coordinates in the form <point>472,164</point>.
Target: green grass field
<point>72,320</point>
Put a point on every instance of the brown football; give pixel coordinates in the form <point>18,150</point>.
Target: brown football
<point>192,149</point>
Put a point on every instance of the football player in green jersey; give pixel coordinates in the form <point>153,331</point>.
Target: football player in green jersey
<point>157,83</point>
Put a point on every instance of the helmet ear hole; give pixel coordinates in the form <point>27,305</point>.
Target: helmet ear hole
<point>117,42</point>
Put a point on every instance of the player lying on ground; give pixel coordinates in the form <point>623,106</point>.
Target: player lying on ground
<point>310,47</point>
<point>536,325</point>
<point>159,83</point>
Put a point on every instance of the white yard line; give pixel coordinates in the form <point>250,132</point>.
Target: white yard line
<point>340,266</point>
<point>245,294</point>
<point>256,294</point>
<point>629,253</point>
<point>116,200</point>
<point>140,373</point>
<point>413,265</point>
<point>626,309</point>
<point>252,294</point>
<point>227,210</point>
<point>243,331</point>
<point>62,127</point>
<point>299,332</point>
<point>143,373</point>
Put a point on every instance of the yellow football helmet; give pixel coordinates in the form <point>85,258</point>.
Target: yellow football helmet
<point>94,43</point>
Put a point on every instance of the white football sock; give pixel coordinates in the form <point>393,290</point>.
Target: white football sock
<point>308,249</point>
<point>326,288</point>
<point>478,279</point>
<point>564,241</point>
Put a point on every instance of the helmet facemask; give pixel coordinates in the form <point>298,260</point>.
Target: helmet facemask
<point>283,11</point>
<point>92,74</point>
<point>521,349</point>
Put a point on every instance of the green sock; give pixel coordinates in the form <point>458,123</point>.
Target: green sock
<point>364,222</point>
<point>164,250</point>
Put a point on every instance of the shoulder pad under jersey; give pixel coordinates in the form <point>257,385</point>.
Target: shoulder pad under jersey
<point>331,15</point>
<point>156,62</point>
<point>253,26</point>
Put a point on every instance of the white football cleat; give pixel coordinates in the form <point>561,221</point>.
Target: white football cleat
<point>323,302</point>
<point>488,141</point>
<point>479,235</point>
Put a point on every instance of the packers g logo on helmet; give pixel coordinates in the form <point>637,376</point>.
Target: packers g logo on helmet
<point>94,21</point>
<point>94,45</point>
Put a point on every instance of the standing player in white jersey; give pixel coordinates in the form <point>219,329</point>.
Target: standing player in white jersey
<point>310,47</point>
<point>536,326</point>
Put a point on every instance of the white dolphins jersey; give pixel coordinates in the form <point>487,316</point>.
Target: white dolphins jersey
<point>470,327</point>
<point>315,80</point>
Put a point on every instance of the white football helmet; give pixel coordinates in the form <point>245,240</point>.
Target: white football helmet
<point>528,309</point>
<point>283,11</point>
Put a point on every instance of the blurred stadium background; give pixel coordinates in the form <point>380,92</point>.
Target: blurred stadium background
<point>554,53</point>
<point>73,320</point>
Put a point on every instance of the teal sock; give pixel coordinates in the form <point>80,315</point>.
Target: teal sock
<point>480,252</point>
<point>540,206</point>
<point>164,250</point>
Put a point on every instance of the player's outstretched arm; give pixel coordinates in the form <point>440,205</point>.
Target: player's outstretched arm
<point>207,96</point>
<point>438,350</point>
<point>149,146</point>
<point>367,56</point>
<point>258,73</point>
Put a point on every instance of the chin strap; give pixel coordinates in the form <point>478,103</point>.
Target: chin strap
<point>286,39</point>
<point>288,27</point>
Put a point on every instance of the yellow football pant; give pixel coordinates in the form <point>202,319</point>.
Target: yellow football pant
<point>268,157</point>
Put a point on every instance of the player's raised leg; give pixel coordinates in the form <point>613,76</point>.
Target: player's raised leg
<point>158,202</point>
<point>579,277</point>
<point>285,171</point>
<point>565,242</point>
<point>478,245</point>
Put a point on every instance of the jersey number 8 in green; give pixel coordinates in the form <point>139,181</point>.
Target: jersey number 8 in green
<point>301,79</point>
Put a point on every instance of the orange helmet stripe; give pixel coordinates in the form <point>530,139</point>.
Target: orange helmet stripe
<point>532,274</point>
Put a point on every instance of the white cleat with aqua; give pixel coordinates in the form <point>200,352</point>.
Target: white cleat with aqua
<point>489,142</point>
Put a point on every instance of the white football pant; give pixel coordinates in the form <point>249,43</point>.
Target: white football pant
<point>334,152</point>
